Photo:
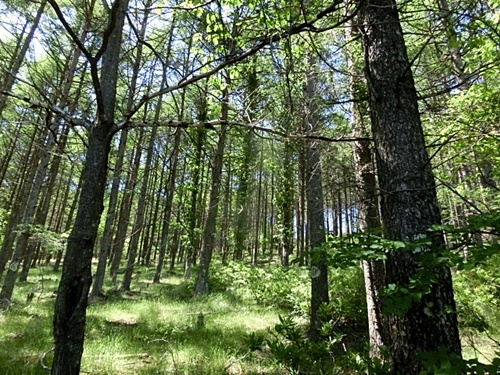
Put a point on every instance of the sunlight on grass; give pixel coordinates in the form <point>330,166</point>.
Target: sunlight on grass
<point>160,328</point>
<point>154,329</point>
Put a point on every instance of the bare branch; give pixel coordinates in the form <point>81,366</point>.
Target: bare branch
<point>71,32</point>
<point>235,58</point>
<point>46,105</point>
<point>193,7</point>
<point>252,126</point>
<point>91,59</point>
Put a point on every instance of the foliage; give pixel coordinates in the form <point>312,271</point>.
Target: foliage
<point>51,241</point>
<point>477,293</point>
<point>292,348</point>
<point>269,286</point>
<point>441,363</point>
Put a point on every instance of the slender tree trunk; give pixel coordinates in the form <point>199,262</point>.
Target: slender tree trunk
<point>138,224</point>
<point>367,202</point>
<point>139,218</point>
<point>69,221</point>
<point>285,204</point>
<point>409,203</point>
<point>28,220</point>
<point>10,148</point>
<point>10,77</point>
<point>19,197</point>
<point>170,188</point>
<point>255,254</point>
<point>193,221</point>
<point>201,286</point>
<point>125,210</point>
<point>226,217</point>
<point>315,208</point>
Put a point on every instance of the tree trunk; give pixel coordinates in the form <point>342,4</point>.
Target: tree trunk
<point>367,202</point>
<point>201,286</point>
<point>71,302</point>
<point>28,219</point>
<point>170,189</point>
<point>409,203</point>
<point>315,207</point>
<point>74,286</point>
<point>10,77</point>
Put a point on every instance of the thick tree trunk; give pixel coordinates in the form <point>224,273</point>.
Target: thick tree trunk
<point>409,203</point>
<point>74,286</point>
<point>71,302</point>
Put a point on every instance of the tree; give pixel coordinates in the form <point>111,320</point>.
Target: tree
<point>315,203</point>
<point>74,286</point>
<point>367,203</point>
<point>409,204</point>
<point>201,286</point>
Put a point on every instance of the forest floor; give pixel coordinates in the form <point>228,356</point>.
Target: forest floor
<point>154,329</point>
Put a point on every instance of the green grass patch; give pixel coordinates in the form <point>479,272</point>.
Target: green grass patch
<point>162,329</point>
<point>155,329</point>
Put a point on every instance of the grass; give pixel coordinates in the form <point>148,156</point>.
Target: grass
<point>155,329</point>
<point>162,329</point>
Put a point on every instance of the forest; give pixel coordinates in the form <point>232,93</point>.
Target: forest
<point>249,187</point>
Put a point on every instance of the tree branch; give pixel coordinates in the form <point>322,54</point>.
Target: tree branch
<point>252,126</point>
<point>51,107</point>
<point>235,58</point>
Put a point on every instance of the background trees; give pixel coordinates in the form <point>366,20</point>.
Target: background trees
<point>208,123</point>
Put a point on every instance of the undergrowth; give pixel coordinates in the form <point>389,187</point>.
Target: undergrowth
<point>254,322</point>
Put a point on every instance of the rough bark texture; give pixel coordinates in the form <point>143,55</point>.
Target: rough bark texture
<point>74,286</point>
<point>71,302</point>
<point>409,204</point>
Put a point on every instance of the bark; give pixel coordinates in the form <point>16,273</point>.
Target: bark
<point>110,217</point>
<point>28,220</point>
<point>19,197</point>
<point>107,236</point>
<point>74,286</point>
<point>139,220</point>
<point>226,217</point>
<point>315,208</point>
<point>285,205</point>
<point>193,214</point>
<point>125,211</point>
<point>10,147</point>
<point>245,172</point>
<point>256,244</point>
<point>71,302</point>
<point>69,221</point>
<point>409,203</point>
<point>367,203</point>
<point>54,122</point>
<point>201,286</point>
